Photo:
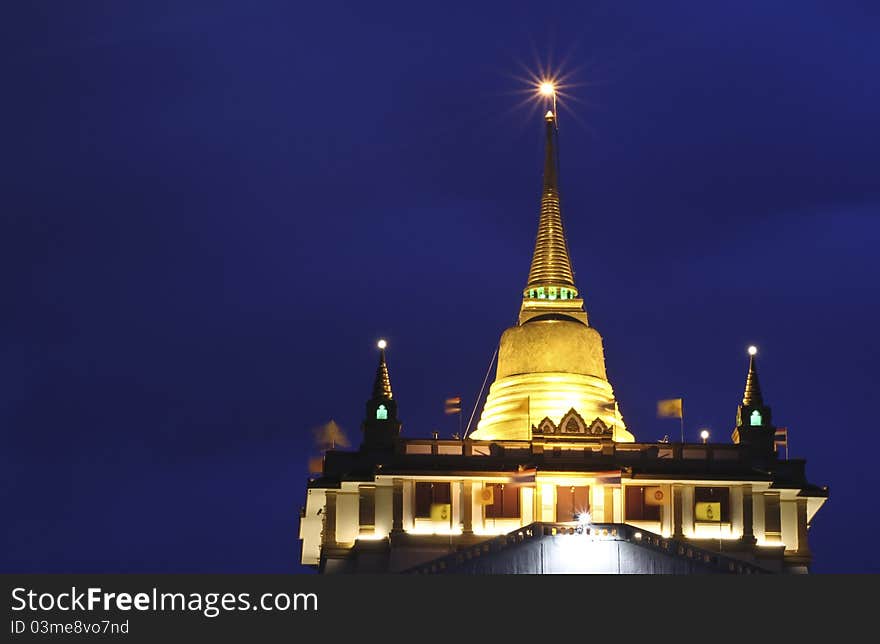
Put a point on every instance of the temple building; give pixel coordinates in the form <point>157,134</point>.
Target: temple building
<point>552,480</point>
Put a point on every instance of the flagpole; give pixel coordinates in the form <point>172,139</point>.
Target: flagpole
<point>682,421</point>
<point>480,395</point>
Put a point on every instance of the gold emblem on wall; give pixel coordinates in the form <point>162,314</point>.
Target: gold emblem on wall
<point>708,511</point>
<point>440,512</point>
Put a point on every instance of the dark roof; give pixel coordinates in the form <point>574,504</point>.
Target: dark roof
<point>635,460</point>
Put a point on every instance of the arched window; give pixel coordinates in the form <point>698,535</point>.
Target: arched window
<point>381,413</point>
<point>756,419</point>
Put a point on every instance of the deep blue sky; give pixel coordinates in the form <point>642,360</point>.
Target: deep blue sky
<point>211,211</point>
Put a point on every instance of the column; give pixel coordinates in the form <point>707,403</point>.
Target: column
<point>772,518</point>
<point>788,523</point>
<point>384,513</point>
<point>548,502</point>
<point>455,502</point>
<point>397,507</point>
<point>409,513</point>
<point>687,510</point>
<point>597,503</point>
<point>617,505</point>
<point>527,505</point>
<point>477,518</point>
<point>329,536</point>
<point>608,491</point>
<point>467,507</point>
<point>803,547</point>
<point>666,512</point>
<point>736,511</point>
<point>677,532</point>
<point>367,510</point>
<point>748,527</point>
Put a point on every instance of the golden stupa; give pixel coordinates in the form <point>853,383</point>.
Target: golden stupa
<point>551,366</point>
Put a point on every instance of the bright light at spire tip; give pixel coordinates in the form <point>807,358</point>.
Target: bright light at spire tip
<point>382,344</point>
<point>547,88</point>
<point>753,350</point>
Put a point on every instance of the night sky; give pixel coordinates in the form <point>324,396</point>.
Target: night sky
<point>211,212</point>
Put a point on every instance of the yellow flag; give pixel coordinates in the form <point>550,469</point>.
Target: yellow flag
<point>669,408</point>
<point>708,511</point>
<point>441,512</point>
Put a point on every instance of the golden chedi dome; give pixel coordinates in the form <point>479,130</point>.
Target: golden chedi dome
<point>552,362</point>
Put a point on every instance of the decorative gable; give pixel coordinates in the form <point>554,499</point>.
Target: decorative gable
<point>598,428</point>
<point>572,423</point>
<point>546,426</point>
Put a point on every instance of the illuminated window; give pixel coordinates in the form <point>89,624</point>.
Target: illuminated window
<point>505,501</point>
<point>541,293</point>
<point>571,500</point>
<point>428,494</point>
<point>563,294</point>
<point>636,508</point>
<point>381,413</point>
<point>552,292</point>
<point>712,504</point>
<point>756,418</point>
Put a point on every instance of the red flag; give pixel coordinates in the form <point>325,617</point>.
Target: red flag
<point>780,439</point>
<point>453,405</point>
<point>316,465</point>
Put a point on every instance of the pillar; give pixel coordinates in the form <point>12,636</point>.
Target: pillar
<point>367,509</point>
<point>677,507</point>
<point>467,507</point>
<point>609,504</point>
<point>772,517</point>
<point>455,502</point>
<point>803,547</point>
<point>329,536</point>
<point>397,507</point>
<point>748,527</point>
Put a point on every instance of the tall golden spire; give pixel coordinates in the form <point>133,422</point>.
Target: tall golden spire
<point>550,276</point>
<point>382,384</point>
<point>381,425</point>
<point>752,394</point>
<point>551,365</point>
